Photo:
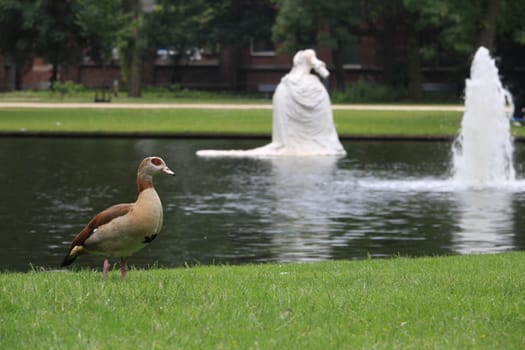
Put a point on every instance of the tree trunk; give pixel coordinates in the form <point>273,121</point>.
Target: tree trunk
<point>389,62</point>
<point>54,75</point>
<point>15,77</point>
<point>135,58</point>
<point>3,76</point>
<point>134,78</point>
<point>230,51</point>
<point>55,63</point>
<point>229,65</point>
<point>490,18</point>
<point>148,67</point>
<point>413,62</point>
<point>340,81</point>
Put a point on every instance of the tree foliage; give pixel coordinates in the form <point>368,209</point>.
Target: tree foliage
<point>103,27</point>
<point>409,33</point>
<point>428,29</point>
<point>231,25</point>
<point>179,25</point>
<point>16,30</point>
<point>43,28</point>
<point>56,32</point>
<point>238,21</point>
<point>311,23</point>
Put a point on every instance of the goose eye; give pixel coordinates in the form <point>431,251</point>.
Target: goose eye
<point>156,161</point>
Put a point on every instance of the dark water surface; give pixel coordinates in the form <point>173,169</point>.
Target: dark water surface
<point>384,198</point>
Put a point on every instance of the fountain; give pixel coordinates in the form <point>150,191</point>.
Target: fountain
<point>483,151</point>
<point>302,115</point>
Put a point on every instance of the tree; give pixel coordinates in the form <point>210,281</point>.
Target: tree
<point>134,47</point>
<point>428,28</point>
<point>232,24</point>
<point>109,24</point>
<point>311,23</point>
<point>489,27</point>
<point>16,35</point>
<point>178,26</point>
<point>461,26</point>
<point>56,38</point>
<point>44,28</point>
<point>511,22</point>
<point>510,43</point>
<point>295,26</point>
<point>104,25</point>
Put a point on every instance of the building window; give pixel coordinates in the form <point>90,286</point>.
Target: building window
<point>262,47</point>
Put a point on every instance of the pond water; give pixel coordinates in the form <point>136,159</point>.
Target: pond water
<point>384,198</point>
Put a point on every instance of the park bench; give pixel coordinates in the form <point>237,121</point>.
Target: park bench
<point>103,94</point>
<point>437,87</point>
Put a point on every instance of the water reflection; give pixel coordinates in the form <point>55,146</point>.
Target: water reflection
<point>485,221</point>
<point>388,216</point>
<point>302,231</point>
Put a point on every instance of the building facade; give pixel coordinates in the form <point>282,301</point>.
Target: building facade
<point>257,68</point>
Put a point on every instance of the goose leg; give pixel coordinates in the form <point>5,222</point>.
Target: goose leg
<point>106,268</point>
<point>123,268</point>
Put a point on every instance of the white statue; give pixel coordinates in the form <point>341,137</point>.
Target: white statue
<point>302,115</point>
<point>302,112</point>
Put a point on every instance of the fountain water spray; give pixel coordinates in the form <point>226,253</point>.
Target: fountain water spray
<point>483,151</point>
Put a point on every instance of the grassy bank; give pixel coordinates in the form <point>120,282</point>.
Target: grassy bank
<point>349,123</point>
<point>360,92</point>
<point>462,302</point>
<point>220,121</point>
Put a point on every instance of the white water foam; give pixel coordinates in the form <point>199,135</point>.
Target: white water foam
<point>440,185</point>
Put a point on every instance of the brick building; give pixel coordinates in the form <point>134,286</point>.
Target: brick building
<point>257,69</point>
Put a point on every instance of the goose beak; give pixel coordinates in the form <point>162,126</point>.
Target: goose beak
<point>168,171</point>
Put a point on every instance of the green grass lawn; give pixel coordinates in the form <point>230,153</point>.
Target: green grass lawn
<point>129,120</point>
<point>149,95</point>
<point>397,123</point>
<point>349,123</point>
<point>461,302</point>
<point>217,121</point>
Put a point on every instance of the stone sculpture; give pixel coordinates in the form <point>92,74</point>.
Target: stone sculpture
<point>302,115</point>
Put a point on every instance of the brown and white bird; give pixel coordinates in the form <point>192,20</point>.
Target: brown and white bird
<point>123,229</point>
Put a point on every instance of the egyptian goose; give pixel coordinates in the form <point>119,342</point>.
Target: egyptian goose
<point>123,229</point>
